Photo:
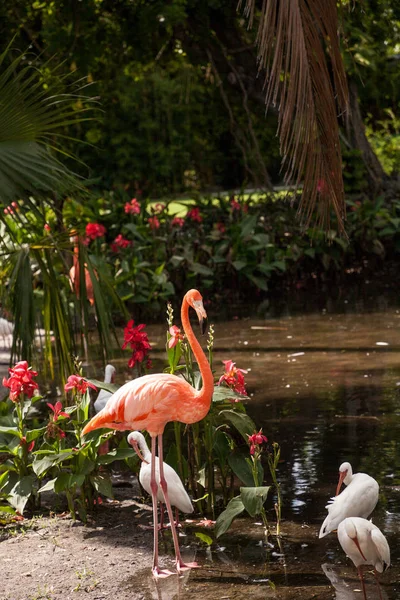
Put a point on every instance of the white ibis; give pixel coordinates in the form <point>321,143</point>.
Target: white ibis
<point>364,544</point>
<point>176,492</point>
<point>104,396</point>
<point>357,500</point>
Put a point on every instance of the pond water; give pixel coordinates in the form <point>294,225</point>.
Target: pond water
<point>327,388</point>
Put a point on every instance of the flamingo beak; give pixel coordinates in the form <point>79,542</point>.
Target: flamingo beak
<point>201,314</point>
<point>342,477</point>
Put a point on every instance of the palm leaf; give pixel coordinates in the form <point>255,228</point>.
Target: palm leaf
<point>294,39</point>
<point>33,114</point>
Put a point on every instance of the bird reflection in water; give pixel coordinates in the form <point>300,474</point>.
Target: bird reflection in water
<point>348,590</point>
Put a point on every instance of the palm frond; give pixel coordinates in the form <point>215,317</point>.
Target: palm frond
<point>295,38</point>
<point>33,113</point>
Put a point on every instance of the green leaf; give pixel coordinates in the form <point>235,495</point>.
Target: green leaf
<point>102,485</point>
<point>239,264</point>
<point>66,481</point>
<point>101,385</point>
<point>258,282</point>
<point>117,454</point>
<point>248,224</point>
<point>10,431</point>
<point>238,462</point>
<point>234,508</point>
<point>242,422</point>
<point>20,493</point>
<point>204,538</point>
<point>201,269</point>
<point>41,465</point>
<point>48,487</point>
<point>222,393</point>
<point>253,498</point>
<point>33,434</point>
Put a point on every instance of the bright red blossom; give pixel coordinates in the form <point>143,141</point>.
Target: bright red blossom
<point>132,207</point>
<point>30,446</point>
<point>20,381</point>
<point>256,440</point>
<point>233,377</point>
<point>178,221</point>
<point>176,335</point>
<point>57,410</point>
<point>78,383</point>
<point>94,230</point>
<point>153,222</point>
<point>138,341</point>
<point>120,242</point>
<point>194,214</point>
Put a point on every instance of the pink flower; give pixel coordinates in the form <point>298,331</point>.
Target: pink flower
<point>47,227</point>
<point>256,440</point>
<point>132,207</point>
<point>120,242</point>
<point>221,227</point>
<point>20,381</point>
<point>153,222</point>
<point>78,383</point>
<point>194,214</point>
<point>94,230</point>
<point>159,208</point>
<point>57,410</point>
<point>138,341</point>
<point>178,221</point>
<point>233,377</point>
<point>176,335</point>
<point>235,205</point>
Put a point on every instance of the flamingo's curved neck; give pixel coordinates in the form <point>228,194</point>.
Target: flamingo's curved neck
<point>205,394</point>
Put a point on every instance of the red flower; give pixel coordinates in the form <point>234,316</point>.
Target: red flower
<point>94,230</point>
<point>159,208</point>
<point>256,440</point>
<point>235,205</point>
<point>178,221</point>
<point>153,222</point>
<point>20,381</point>
<point>120,242</point>
<point>138,341</point>
<point>57,410</point>
<point>176,335</point>
<point>194,214</point>
<point>47,227</point>
<point>78,383</point>
<point>30,446</point>
<point>132,207</point>
<point>233,377</point>
<point>221,227</point>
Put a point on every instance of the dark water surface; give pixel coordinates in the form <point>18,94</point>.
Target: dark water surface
<point>327,388</point>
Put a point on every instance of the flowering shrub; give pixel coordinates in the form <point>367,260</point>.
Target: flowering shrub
<point>78,384</point>
<point>233,377</point>
<point>132,207</point>
<point>94,231</point>
<point>21,381</point>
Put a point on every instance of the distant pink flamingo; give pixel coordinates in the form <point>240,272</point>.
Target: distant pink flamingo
<point>150,402</point>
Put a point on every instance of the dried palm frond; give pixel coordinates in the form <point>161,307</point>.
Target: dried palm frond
<point>295,38</point>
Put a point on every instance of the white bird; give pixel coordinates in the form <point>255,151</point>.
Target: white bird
<point>364,544</point>
<point>104,396</point>
<point>177,494</point>
<point>6,331</point>
<point>357,500</point>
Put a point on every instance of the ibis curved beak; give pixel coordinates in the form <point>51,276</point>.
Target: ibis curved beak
<point>342,477</point>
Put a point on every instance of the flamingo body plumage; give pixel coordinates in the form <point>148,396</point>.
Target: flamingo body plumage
<point>358,499</point>
<point>150,402</point>
<point>178,496</point>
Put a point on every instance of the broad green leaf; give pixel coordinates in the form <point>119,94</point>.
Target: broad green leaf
<point>222,393</point>
<point>201,269</point>
<point>238,462</point>
<point>248,224</point>
<point>117,454</point>
<point>66,481</point>
<point>102,485</point>
<point>221,446</point>
<point>20,493</point>
<point>7,509</point>
<point>204,538</point>
<point>253,498</point>
<point>48,487</point>
<point>10,431</point>
<point>33,434</point>
<point>239,264</point>
<point>242,422</point>
<point>41,465</point>
<point>234,508</point>
<point>101,385</point>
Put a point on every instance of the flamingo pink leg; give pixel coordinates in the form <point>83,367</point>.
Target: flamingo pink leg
<point>157,572</point>
<point>162,526</point>
<point>360,574</point>
<point>180,565</point>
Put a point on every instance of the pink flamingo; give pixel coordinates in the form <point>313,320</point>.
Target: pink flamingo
<point>150,402</point>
